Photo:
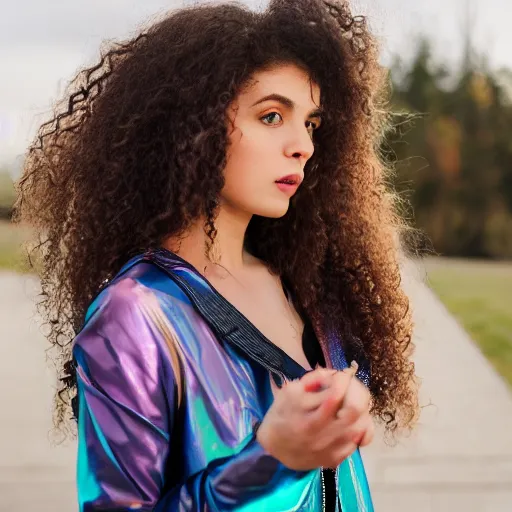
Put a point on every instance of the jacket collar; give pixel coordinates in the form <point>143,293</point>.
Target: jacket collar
<point>232,327</point>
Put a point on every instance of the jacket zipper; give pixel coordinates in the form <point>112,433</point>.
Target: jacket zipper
<point>324,492</point>
<point>336,488</point>
<point>323,489</point>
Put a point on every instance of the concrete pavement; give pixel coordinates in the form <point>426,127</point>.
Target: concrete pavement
<point>460,456</point>
<point>34,475</point>
<point>458,459</point>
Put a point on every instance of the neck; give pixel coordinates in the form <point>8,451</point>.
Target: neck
<point>228,250</point>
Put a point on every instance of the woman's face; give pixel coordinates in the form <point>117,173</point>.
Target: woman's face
<point>271,140</point>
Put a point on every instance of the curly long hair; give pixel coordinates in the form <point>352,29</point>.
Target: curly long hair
<point>135,154</point>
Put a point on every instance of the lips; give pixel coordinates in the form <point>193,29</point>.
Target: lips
<point>289,184</point>
<point>290,179</point>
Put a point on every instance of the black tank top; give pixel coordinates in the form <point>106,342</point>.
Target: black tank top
<point>315,356</point>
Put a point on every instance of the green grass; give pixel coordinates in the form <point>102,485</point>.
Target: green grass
<point>479,295</point>
<point>12,255</point>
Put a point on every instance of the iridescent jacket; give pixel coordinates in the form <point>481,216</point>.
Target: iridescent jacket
<point>172,380</point>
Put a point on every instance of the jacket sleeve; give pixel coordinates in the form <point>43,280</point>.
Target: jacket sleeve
<point>126,410</point>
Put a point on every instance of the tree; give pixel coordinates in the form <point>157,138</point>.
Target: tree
<point>453,153</point>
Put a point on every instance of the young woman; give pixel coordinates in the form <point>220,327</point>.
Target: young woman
<point>217,247</point>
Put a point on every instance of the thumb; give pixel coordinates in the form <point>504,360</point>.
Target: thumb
<point>337,391</point>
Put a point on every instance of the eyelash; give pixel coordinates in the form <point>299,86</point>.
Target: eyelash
<point>266,116</point>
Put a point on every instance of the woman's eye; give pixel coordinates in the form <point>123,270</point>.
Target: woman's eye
<point>272,118</point>
<point>311,126</point>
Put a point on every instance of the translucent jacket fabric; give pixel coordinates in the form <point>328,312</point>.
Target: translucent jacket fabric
<point>172,381</point>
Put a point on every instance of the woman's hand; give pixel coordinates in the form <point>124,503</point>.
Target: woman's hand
<point>318,420</point>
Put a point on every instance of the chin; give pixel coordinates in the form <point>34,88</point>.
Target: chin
<point>274,212</point>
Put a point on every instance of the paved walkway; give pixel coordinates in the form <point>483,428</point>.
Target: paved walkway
<point>460,456</point>
<point>459,459</point>
<point>34,476</point>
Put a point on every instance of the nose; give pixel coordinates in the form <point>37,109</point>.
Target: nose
<point>300,146</point>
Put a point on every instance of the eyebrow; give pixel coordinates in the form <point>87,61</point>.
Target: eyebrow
<point>287,102</point>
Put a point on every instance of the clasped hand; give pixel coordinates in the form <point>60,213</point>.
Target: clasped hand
<point>318,420</point>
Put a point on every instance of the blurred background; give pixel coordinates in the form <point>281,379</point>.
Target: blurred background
<point>450,64</point>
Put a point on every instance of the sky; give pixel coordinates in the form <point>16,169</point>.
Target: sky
<point>44,42</point>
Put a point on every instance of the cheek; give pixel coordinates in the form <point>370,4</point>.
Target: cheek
<point>248,142</point>
<point>259,145</point>
<point>252,166</point>
<point>244,161</point>
<point>238,176</point>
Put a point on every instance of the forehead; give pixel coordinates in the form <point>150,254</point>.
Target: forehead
<point>287,80</point>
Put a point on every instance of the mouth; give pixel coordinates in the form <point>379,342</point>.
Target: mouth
<point>289,184</point>
<point>291,179</point>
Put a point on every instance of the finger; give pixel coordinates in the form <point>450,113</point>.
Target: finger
<point>358,430</point>
<point>368,435</point>
<point>351,434</point>
<point>316,386</point>
<point>313,400</point>
<point>340,385</point>
<point>336,392</point>
<point>289,395</point>
<point>336,434</point>
<point>328,438</point>
<point>336,457</point>
<point>317,380</point>
<point>347,416</point>
<point>356,402</point>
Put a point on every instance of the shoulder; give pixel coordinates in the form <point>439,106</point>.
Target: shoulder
<point>122,350</point>
<point>133,291</point>
<point>128,313</point>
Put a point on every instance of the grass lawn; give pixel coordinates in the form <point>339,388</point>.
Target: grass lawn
<point>479,294</point>
<point>11,253</point>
